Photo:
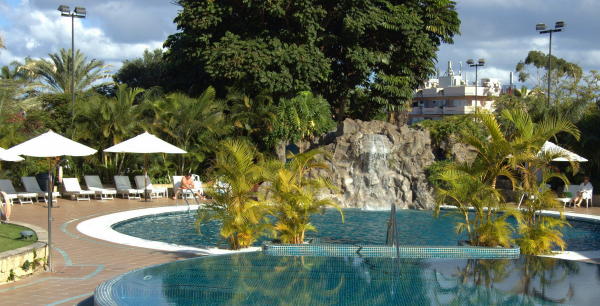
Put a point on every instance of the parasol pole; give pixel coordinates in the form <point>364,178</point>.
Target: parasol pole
<point>146,177</point>
<point>50,202</point>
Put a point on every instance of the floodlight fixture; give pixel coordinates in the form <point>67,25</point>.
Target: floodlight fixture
<point>79,12</point>
<point>540,26</point>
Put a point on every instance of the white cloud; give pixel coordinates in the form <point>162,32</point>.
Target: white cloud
<point>33,31</point>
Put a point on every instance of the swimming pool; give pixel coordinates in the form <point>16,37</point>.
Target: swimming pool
<point>360,227</point>
<point>259,279</point>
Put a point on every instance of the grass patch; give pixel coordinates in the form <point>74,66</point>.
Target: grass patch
<point>10,237</point>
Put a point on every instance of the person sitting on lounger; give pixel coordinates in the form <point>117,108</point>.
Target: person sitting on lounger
<point>5,207</point>
<point>187,183</point>
<point>585,188</point>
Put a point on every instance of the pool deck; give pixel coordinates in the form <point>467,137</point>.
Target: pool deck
<point>81,262</point>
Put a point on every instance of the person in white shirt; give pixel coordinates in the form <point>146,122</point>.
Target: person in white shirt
<point>585,190</point>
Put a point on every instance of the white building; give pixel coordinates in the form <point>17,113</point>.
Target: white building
<point>451,94</point>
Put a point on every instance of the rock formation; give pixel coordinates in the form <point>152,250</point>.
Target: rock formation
<point>375,164</point>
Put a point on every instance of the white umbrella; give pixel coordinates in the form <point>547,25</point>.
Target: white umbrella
<point>567,156</point>
<point>7,156</point>
<point>51,145</point>
<point>145,143</point>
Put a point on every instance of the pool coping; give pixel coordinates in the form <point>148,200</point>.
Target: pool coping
<point>568,255</point>
<point>101,228</point>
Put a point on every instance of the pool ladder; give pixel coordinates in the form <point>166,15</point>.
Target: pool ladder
<point>184,196</point>
<point>391,238</point>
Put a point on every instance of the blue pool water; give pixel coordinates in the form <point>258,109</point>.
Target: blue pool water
<point>360,227</point>
<point>259,279</point>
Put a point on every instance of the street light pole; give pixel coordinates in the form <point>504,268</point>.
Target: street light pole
<point>541,27</point>
<point>479,63</point>
<point>78,12</point>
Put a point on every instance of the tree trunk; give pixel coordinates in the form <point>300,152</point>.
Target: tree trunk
<point>341,111</point>
<point>280,151</point>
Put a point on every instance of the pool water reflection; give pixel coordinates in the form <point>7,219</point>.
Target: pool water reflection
<point>259,279</point>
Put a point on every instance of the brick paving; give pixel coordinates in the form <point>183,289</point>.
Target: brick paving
<point>86,261</point>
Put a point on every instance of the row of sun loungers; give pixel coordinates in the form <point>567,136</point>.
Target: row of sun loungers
<point>72,189</point>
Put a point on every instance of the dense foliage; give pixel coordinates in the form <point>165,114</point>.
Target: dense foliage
<point>334,48</point>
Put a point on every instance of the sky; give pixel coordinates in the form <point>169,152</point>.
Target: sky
<point>500,31</point>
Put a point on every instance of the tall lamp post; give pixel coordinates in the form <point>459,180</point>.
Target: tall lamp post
<point>541,27</point>
<point>480,63</point>
<point>78,12</point>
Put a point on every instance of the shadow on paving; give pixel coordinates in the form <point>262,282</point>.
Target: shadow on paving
<point>87,302</point>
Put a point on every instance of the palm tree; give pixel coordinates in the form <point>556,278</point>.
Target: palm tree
<point>295,196</point>
<point>539,233</point>
<point>511,150</point>
<point>251,117</point>
<point>467,187</point>
<point>55,74</point>
<point>192,123</point>
<point>108,121</point>
<point>238,167</point>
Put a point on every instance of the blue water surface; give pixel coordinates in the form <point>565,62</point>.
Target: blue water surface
<point>359,227</point>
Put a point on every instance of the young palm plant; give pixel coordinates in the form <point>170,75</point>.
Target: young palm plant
<point>539,234</point>
<point>295,196</point>
<point>238,167</point>
<point>477,202</point>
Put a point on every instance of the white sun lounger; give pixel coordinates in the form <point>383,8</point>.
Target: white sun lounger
<point>31,185</point>
<point>155,192</point>
<point>187,192</point>
<point>124,188</point>
<point>73,189</point>
<point>93,183</point>
<point>22,197</point>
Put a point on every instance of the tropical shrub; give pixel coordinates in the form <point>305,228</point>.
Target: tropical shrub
<point>477,202</point>
<point>294,196</point>
<point>239,169</point>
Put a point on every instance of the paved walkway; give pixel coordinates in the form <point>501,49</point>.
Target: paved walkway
<point>81,263</point>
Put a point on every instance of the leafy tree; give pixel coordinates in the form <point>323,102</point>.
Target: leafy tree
<point>55,74</point>
<point>302,117</point>
<point>330,47</point>
<point>539,60</point>
<point>295,196</point>
<point>244,217</point>
<point>148,71</point>
<point>448,129</point>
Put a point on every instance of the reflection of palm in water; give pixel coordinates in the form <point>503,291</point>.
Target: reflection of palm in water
<point>253,279</point>
<point>260,279</point>
<point>481,280</point>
